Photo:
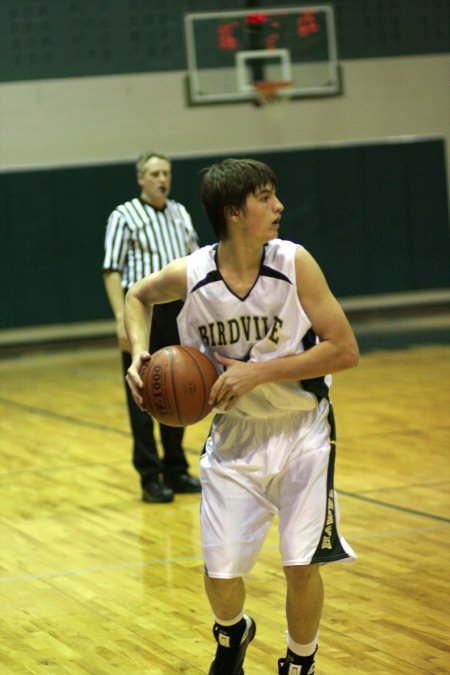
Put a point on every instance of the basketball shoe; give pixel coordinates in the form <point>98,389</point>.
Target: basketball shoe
<point>296,665</point>
<point>230,653</point>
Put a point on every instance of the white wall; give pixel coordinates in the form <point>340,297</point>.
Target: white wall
<point>104,119</point>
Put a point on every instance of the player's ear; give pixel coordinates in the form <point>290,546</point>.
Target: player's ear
<point>231,212</point>
<point>140,178</point>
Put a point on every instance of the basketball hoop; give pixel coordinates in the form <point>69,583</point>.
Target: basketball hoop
<point>269,92</point>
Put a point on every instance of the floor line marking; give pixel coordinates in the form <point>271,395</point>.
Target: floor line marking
<point>62,418</point>
<point>101,568</point>
<point>387,505</point>
<point>73,420</point>
<point>102,427</point>
<point>167,561</point>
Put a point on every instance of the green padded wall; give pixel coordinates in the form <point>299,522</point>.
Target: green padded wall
<point>68,38</point>
<point>374,216</point>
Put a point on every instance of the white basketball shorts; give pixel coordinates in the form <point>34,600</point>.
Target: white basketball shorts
<point>255,469</point>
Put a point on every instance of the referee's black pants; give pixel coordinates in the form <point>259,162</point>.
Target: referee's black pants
<point>146,460</point>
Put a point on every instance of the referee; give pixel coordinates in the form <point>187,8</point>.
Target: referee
<point>142,236</point>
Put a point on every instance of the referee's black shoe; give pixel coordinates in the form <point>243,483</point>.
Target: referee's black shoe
<point>230,656</point>
<point>183,483</point>
<point>155,492</point>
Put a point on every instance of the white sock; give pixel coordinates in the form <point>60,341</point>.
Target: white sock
<point>303,650</point>
<point>231,622</point>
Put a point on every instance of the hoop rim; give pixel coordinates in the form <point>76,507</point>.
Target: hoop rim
<point>272,85</point>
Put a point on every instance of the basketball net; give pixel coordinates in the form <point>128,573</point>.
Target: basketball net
<point>273,96</point>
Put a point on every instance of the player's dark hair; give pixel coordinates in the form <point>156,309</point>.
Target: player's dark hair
<point>143,159</point>
<point>227,184</point>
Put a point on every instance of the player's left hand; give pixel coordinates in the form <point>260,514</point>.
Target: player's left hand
<point>238,378</point>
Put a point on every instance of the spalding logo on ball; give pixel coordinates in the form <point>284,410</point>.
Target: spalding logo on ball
<point>177,382</point>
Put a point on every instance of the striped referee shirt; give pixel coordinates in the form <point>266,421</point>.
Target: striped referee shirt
<point>141,239</point>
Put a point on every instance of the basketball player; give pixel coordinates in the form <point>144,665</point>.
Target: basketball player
<point>261,307</point>
<point>143,235</point>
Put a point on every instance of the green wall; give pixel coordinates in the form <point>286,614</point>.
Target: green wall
<point>374,216</point>
<point>68,38</point>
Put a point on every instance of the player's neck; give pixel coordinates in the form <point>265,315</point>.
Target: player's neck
<point>241,259</point>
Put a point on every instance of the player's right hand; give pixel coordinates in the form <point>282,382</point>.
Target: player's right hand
<point>133,377</point>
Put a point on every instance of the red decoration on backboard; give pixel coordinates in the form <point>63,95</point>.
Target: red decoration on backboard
<point>225,38</point>
<point>307,24</point>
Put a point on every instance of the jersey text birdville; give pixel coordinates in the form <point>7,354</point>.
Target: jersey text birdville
<point>247,328</point>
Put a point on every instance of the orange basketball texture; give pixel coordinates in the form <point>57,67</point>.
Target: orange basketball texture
<point>177,382</point>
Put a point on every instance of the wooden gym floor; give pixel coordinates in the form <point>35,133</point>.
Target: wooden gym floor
<point>94,581</point>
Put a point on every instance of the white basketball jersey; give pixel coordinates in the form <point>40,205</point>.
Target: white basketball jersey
<point>268,323</point>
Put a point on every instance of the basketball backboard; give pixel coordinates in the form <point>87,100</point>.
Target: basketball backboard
<point>227,52</point>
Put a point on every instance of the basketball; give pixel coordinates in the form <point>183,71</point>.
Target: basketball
<point>177,382</point>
